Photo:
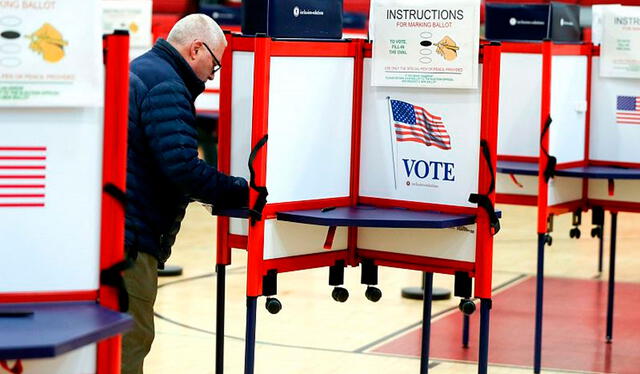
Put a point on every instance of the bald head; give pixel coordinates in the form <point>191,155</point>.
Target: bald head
<point>188,36</point>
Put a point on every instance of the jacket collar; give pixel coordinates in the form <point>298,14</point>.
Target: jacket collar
<point>167,52</point>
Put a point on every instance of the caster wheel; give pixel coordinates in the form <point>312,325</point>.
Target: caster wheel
<point>340,294</point>
<point>273,305</point>
<point>467,306</point>
<point>574,233</point>
<point>596,232</point>
<point>373,294</point>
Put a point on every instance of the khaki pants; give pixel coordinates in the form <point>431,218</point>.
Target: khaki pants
<point>141,281</point>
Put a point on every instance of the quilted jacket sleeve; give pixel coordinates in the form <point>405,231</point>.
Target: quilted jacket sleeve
<point>168,121</point>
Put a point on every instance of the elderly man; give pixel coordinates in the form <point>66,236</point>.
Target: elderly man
<point>164,172</point>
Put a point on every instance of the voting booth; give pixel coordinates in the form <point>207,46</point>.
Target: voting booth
<point>614,135</point>
<point>574,151</point>
<point>543,112</point>
<point>62,177</point>
<point>344,173</point>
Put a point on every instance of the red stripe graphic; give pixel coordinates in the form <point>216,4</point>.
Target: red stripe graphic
<point>21,185</point>
<point>424,111</point>
<point>21,176</point>
<point>22,167</point>
<point>421,140</point>
<point>19,190</point>
<point>22,195</point>
<point>442,133</point>
<point>440,139</point>
<point>20,158</point>
<point>422,135</point>
<point>23,148</point>
<point>420,128</point>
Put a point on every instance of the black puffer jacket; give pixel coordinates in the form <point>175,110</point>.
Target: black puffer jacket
<point>164,172</point>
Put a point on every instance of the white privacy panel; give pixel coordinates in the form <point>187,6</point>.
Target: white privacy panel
<point>520,98</point>
<point>394,166</point>
<point>564,189</point>
<point>78,361</point>
<point>527,184</point>
<point>624,190</point>
<point>457,243</point>
<point>238,226</point>
<point>310,122</point>
<point>209,100</point>
<point>56,246</point>
<point>568,108</point>
<point>241,119</point>
<point>286,239</point>
<point>613,138</point>
<point>241,112</point>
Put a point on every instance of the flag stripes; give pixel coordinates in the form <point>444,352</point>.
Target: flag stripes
<point>22,176</point>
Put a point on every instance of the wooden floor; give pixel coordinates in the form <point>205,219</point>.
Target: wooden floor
<point>314,334</point>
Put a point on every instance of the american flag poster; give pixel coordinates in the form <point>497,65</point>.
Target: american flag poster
<point>628,110</point>
<point>415,124</point>
<point>22,176</point>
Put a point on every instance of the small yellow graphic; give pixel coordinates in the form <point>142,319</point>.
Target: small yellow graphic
<point>48,42</point>
<point>133,27</point>
<point>447,48</point>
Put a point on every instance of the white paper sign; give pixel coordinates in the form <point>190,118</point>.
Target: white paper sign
<point>620,51</point>
<point>597,11</point>
<point>426,45</point>
<point>132,15</point>
<point>50,53</point>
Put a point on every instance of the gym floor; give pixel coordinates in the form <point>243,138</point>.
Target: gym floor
<point>314,334</point>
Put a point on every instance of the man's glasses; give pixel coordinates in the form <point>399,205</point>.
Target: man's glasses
<point>218,65</point>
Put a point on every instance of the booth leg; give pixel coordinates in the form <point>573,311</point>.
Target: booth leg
<point>483,350</point>
<point>597,219</point>
<point>600,251</point>
<point>537,349</point>
<point>465,331</point>
<point>426,323</point>
<point>250,335</point>
<point>612,276</point>
<point>220,283</point>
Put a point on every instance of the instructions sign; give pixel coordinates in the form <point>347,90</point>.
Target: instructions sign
<point>134,16</point>
<point>620,50</point>
<point>426,45</point>
<point>50,53</point>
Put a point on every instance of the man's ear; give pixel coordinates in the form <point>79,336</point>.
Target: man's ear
<point>194,48</point>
